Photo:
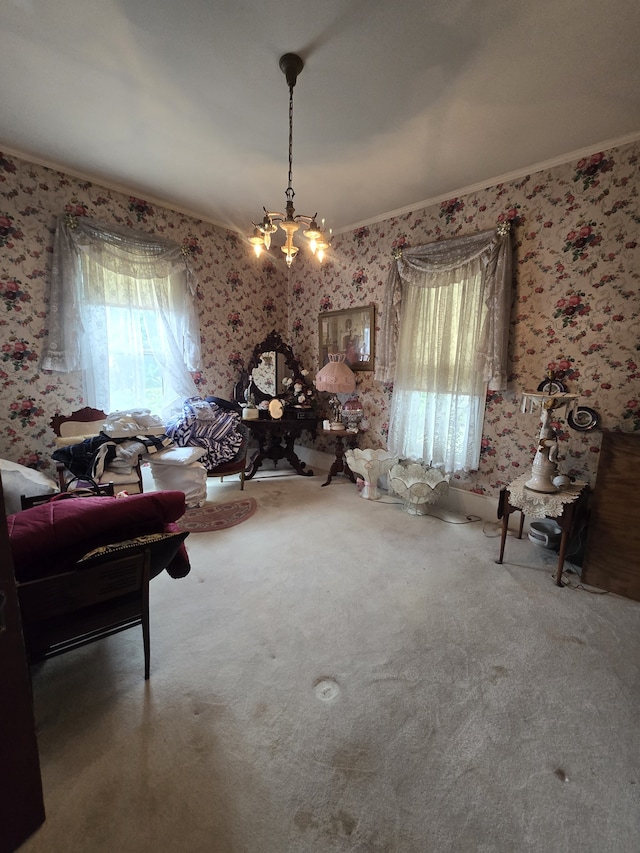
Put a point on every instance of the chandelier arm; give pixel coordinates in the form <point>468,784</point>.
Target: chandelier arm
<point>277,215</point>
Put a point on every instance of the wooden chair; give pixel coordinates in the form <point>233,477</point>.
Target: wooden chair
<point>75,428</point>
<point>83,567</point>
<point>27,501</point>
<point>237,465</point>
<point>70,610</point>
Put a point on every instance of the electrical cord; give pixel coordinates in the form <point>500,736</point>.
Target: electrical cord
<point>434,511</point>
<point>566,582</point>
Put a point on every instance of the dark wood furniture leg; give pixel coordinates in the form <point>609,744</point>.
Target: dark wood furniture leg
<point>503,536</point>
<point>566,523</point>
<point>276,441</point>
<point>292,458</point>
<point>504,511</point>
<point>339,464</point>
<point>257,458</point>
<point>270,446</point>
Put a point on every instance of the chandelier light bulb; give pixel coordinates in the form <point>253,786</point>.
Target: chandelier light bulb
<point>257,240</point>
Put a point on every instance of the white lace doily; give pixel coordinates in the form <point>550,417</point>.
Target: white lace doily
<point>541,504</point>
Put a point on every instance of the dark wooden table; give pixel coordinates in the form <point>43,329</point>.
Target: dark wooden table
<point>563,506</point>
<point>339,464</point>
<point>276,440</point>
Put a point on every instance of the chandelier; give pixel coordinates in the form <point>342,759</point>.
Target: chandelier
<point>291,65</point>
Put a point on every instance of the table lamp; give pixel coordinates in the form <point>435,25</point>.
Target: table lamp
<point>336,378</point>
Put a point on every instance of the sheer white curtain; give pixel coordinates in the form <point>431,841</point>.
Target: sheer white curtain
<point>122,309</point>
<point>443,341</point>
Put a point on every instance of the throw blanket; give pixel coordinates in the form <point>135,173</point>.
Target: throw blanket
<point>90,458</point>
<point>203,424</point>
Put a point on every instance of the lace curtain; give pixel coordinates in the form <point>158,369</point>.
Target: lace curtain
<point>115,291</point>
<point>444,336</point>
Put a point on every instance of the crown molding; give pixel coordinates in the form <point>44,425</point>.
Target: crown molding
<point>500,179</point>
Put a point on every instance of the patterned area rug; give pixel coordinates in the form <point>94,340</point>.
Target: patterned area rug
<point>217,516</point>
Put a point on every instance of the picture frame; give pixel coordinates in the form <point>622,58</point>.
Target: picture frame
<point>350,331</point>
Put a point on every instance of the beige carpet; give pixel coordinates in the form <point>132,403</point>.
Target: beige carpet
<point>336,675</point>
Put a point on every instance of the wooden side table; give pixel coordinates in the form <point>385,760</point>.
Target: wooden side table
<point>339,465</point>
<point>562,505</point>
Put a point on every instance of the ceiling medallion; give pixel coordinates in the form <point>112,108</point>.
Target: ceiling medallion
<point>291,65</point>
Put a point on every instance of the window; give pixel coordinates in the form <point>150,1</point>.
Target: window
<point>139,379</point>
<point>438,398</point>
<point>122,311</point>
<point>452,311</point>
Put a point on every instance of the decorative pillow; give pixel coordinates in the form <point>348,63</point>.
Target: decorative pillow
<point>51,538</point>
<point>19,480</point>
<point>163,547</point>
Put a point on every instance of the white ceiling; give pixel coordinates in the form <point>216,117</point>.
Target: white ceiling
<point>400,102</point>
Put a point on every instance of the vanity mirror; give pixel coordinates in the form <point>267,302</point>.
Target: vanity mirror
<point>274,371</point>
<point>275,379</point>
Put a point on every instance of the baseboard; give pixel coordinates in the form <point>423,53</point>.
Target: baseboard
<point>466,503</point>
<point>457,501</point>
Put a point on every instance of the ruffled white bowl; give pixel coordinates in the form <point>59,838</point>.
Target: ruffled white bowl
<point>371,465</point>
<point>418,486</point>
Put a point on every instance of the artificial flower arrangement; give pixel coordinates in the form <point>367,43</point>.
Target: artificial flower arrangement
<point>298,391</point>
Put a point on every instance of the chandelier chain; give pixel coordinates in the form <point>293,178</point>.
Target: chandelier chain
<point>290,222</point>
<point>289,192</point>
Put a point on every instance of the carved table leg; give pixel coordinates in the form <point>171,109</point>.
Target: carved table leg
<point>293,459</point>
<point>254,464</point>
<point>339,464</point>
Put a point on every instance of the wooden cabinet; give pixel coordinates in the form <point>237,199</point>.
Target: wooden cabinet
<point>612,556</point>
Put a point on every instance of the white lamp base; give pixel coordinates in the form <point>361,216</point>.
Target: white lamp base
<point>542,474</point>
<point>540,484</point>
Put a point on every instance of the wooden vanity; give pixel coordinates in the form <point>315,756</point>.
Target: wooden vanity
<point>276,440</point>
<point>275,377</point>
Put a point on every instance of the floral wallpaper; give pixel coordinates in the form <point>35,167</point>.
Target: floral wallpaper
<point>240,299</point>
<point>575,310</point>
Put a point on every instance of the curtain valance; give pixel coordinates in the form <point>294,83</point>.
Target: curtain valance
<point>438,264</point>
<point>164,282</point>
<point>122,250</point>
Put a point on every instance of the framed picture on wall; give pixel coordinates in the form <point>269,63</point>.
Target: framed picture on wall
<point>350,332</point>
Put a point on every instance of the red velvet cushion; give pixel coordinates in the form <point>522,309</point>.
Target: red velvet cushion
<point>50,538</point>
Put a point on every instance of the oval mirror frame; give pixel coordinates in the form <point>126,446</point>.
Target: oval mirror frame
<point>284,357</point>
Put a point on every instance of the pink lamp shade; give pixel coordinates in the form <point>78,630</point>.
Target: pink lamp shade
<point>335,376</point>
